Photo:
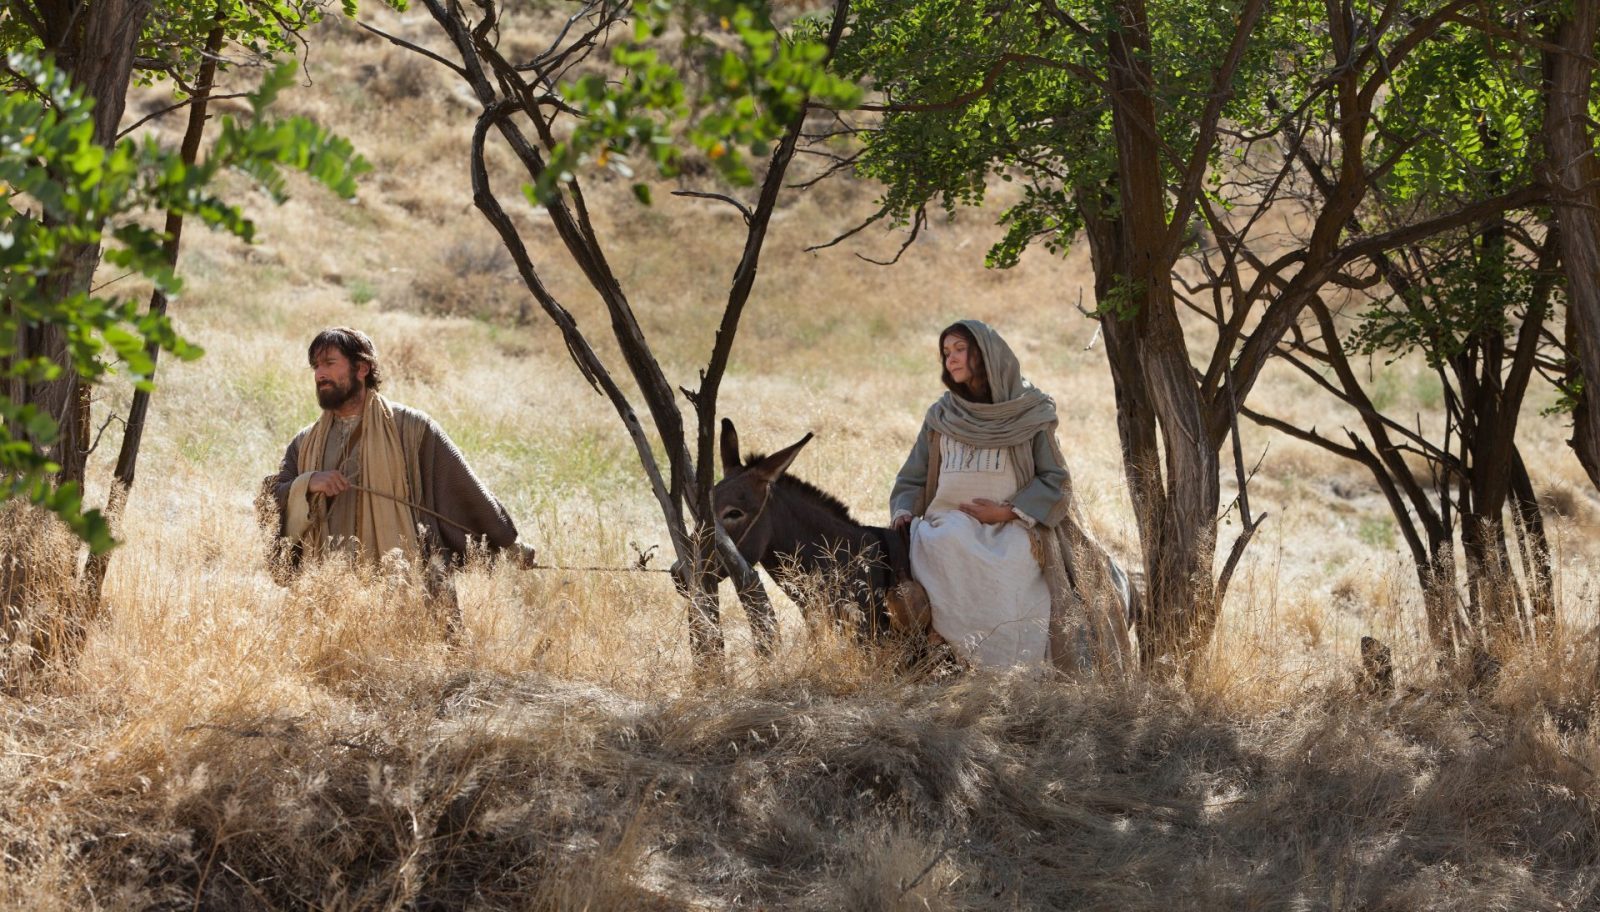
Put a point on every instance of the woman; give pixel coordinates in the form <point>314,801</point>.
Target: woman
<point>1011,576</point>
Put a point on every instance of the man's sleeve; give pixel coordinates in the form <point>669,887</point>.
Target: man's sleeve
<point>280,484</point>
<point>451,489</point>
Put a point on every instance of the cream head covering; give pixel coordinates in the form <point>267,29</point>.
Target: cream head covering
<point>1019,410</point>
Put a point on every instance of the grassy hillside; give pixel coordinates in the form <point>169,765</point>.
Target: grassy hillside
<point>225,743</point>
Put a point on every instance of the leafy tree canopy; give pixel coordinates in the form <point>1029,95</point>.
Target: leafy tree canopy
<point>1021,91</point>
<point>733,79</point>
<point>61,188</point>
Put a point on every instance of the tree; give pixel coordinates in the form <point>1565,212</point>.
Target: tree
<point>1476,304</point>
<point>1476,310</point>
<point>50,360</point>
<point>77,193</point>
<point>1573,173</point>
<point>1174,137</point>
<point>749,98</point>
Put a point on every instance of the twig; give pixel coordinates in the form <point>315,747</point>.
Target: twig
<point>397,40</point>
<point>851,233</point>
<point>743,209</point>
<point>1098,323</point>
<point>917,221</point>
<point>100,433</point>
<point>415,506</point>
<point>175,107</point>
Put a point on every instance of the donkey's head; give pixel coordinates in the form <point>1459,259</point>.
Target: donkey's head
<point>741,500</point>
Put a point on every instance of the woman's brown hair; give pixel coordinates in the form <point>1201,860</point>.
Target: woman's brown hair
<point>978,389</point>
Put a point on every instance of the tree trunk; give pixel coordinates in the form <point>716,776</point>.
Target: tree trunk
<point>1574,180</point>
<point>1178,529</point>
<point>504,92</point>
<point>1535,549</point>
<point>1488,435</point>
<point>94,44</point>
<point>133,434</point>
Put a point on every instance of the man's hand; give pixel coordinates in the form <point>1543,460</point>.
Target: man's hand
<point>987,511</point>
<point>329,484</point>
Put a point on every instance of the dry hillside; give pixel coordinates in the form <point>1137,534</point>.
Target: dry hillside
<point>225,743</point>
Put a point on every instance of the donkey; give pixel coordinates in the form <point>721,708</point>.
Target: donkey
<point>801,534</point>
<point>831,565</point>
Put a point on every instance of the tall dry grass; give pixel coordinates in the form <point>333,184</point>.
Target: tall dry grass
<point>224,743</point>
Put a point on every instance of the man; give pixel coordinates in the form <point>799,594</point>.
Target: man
<point>372,476</point>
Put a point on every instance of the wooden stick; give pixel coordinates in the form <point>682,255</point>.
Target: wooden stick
<point>414,506</point>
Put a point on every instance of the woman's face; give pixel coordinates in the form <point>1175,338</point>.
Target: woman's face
<point>957,358</point>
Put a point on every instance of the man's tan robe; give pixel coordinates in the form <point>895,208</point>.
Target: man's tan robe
<point>436,477</point>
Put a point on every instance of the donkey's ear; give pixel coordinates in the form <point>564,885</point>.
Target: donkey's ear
<point>730,448</point>
<point>768,470</point>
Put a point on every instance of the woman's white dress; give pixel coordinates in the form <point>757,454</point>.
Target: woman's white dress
<point>989,598</point>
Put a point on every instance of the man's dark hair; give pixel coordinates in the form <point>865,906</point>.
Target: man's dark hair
<point>978,389</point>
<point>353,344</point>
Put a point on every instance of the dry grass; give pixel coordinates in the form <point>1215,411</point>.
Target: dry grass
<point>227,744</point>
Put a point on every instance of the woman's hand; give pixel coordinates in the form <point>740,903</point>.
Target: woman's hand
<point>988,511</point>
<point>901,522</point>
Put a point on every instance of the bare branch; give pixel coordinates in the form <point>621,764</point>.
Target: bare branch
<point>743,209</point>
<point>876,216</point>
<point>1307,435</point>
<point>917,221</point>
<point>1234,553</point>
<point>1472,213</point>
<point>556,57</point>
<point>175,107</point>
<point>839,164</point>
<point>100,433</point>
<point>415,48</point>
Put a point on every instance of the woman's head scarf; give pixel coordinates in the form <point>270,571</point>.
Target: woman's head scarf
<point>1019,409</point>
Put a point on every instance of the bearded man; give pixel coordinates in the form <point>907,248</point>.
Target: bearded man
<point>372,476</point>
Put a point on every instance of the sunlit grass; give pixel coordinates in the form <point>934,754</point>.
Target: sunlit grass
<point>226,743</point>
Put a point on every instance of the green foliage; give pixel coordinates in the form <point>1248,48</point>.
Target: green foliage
<point>64,191</point>
<point>1471,128</point>
<point>1464,297</point>
<point>1472,117</point>
<point>1568,395</point>
<point>361,291</point>
<point>175,34</point>
<point>1016,91</point>
<point>749,81</point>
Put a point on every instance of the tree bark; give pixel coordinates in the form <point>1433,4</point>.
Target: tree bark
<point>1535,549</point>
<point>1178,528</point>
<point>94,44</point>
<point>133,433</point>
<point>1574,179</point>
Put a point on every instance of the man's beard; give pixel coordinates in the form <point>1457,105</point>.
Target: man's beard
<point>335,394</point>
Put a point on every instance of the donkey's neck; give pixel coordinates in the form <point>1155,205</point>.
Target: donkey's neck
<point>811,533</point>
